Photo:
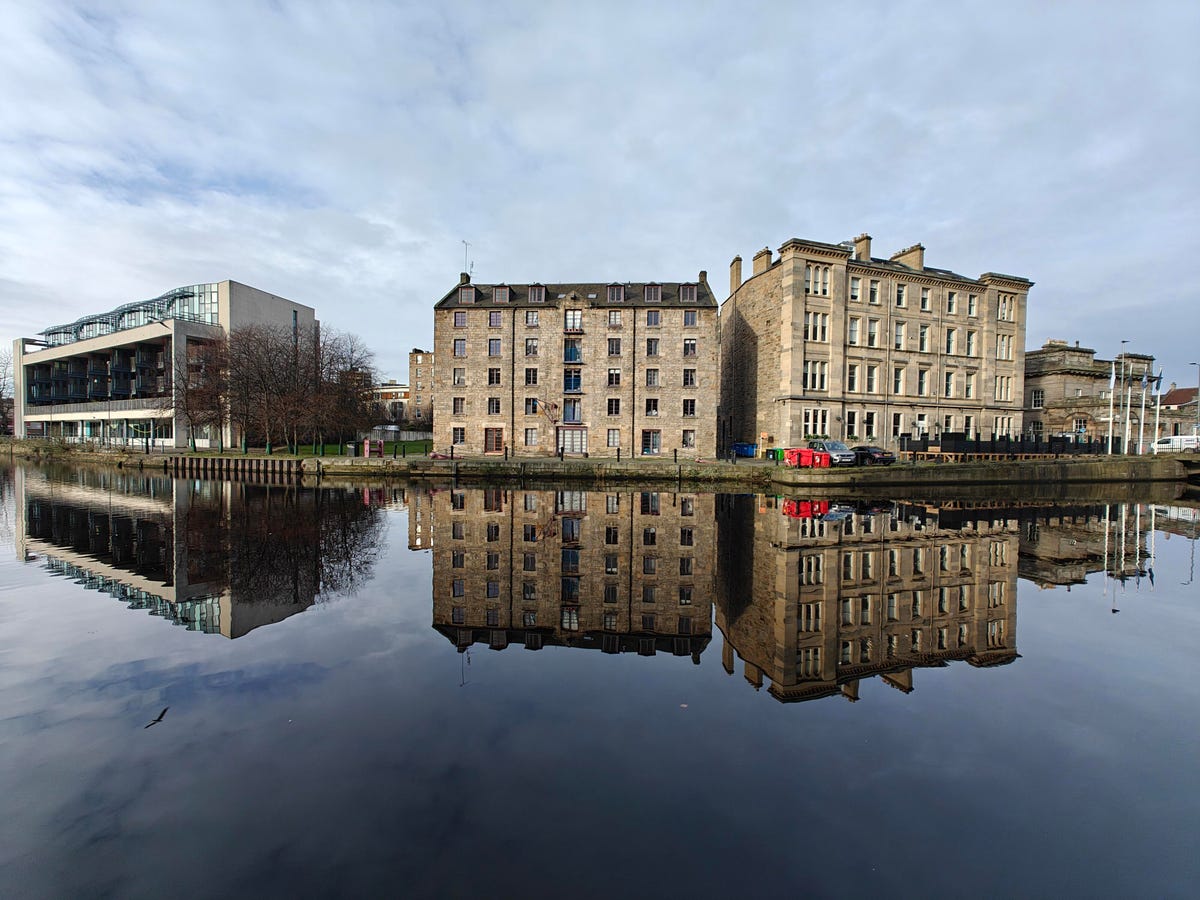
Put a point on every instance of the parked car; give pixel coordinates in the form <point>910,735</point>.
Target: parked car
<point>839,453</point>
<point>1177,443</point>
<point>869,455</point>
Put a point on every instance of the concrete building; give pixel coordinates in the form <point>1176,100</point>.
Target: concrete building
<point>110,378</point>
<point>617,572</point>
<point>826,340</point>
<point>1067,391</point>
<point>816,604</point>
<point>420,387</point>
<point>393,398</point>
<point>599,369</point>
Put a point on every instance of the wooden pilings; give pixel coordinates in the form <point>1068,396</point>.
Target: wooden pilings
<point>256,468</point>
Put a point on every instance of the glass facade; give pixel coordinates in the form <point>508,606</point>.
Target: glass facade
<point>193,303</point>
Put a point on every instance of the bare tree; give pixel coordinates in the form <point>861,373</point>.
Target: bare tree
<point>6,390</point>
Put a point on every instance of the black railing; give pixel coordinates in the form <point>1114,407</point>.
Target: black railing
<point>994,444</point>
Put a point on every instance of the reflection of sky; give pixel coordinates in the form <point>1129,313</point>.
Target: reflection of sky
<point>337,749</point>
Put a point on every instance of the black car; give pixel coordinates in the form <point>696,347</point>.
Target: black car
<point>873,456</point>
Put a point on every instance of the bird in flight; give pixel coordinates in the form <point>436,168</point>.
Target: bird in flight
<point>160,716</point>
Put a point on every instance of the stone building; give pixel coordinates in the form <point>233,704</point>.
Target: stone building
<point>608,370</point>
<point>393,398</point>
<point>615,571</point>
<point>419,410</point>
<point>1067,391</point>
<point>826,340</point>
<point>816,603</point>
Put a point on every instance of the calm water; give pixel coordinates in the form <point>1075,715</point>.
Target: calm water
<point>408,692</point>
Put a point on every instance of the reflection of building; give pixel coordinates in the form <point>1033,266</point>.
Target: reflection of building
<point>601,369</point>
<point>816,604</point>
<point>619,571</point>
<point>827,340</point>
<point>420,519</point>
<point>111,377</point>
<point>1064,544</point>
<point>214,556</point>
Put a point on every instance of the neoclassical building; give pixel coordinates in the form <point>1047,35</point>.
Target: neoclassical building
<point>619,369</point>
<point>827,340</point>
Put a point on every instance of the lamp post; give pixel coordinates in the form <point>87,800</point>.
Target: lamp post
<point>1196,427</point>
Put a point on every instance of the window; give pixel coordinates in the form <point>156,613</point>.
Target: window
<point>872,332</point>
<point>537,293</point>
<point>458,531</point>
<point>572,381</point>
<point>531,406</point>
<point>458,435</point>
<point>649,537</point>
<point>687,294</point>
<point>460,376</point>
<point>923,339</point>
<point>816,327</point>
<point>969,387</point>
<point>531,318</point>
<point>689,318</point>
<point>897,424</point>
<point>689,408</point>
<point>972,305</point>
<point>531,437</point>
<point>653,293</point>
<point>460,319</point>
<point>610,596</point>
<point>493,406</point>
<point>493,561</point>
<point>614,377</point>
<point>855,284</point>
<point>495,319</point>
<point>852,331</point>
<point>688,439</point>
<point>493,376</point>
<point>874,292</point>
<point>653,318</point>
<point>649,503</point>
<point>869,424</point>
<point>614,406</point>
<point>614,346</point>
<point>652,406</point>
<point>951,340</point>
<point>970,343</point>
<point>531,376</point>
<point>816,375</point>
<point>573,320</point>
<point>922,382</point>
<point>614,437</point>
<point>652,378</point>
<point>652,346</point>
<point>925,299</point>
<point>458,405</point>
<point>610,564</point>
<point>493,346</point>
<point>651,443</point>
<point>531,346</point>
<point>612,534</point>
<point>460,347</point>
<point>901,300</point>
<point>872,376</point>
<point>951,302</point>
<point>949,386</point>
<point>1004,346</point>
<point>616,293</point>
<point>493,440</point>
<point>898,341</point>
<point>572,350</point>
<point>852,380</point>
<point>689,347</point>
<point>614,318</point>
<point>572,415</point>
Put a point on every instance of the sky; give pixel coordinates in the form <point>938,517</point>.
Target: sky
<point>339,154</point>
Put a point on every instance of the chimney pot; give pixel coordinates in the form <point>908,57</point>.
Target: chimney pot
<point>464,278</point>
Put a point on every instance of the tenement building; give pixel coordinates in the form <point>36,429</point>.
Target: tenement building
<point>618,369</point>
<point>420,387</point>
<point>619,572</point>
<point>111,377</point>
<point>826,340</point>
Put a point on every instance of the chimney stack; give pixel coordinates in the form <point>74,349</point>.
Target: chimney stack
<point>913,257</point>
<point>464,278</point>
<point>703,276</point>
<point>761,262</point>
<point>862,247</point>
<point>735,274</point>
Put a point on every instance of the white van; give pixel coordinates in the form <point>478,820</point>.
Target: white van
<point>1177,443</point>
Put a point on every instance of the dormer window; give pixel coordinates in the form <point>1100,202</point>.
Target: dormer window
<point>616,293</point>
<point>687,293</point>
<point>537,293</point>
<point>466,294</point>
<point>653,293</point>
<point>500,293</point>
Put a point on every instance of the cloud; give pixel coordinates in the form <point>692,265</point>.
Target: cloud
<point>338,154</point>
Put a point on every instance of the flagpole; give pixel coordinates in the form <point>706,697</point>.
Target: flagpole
<point>1112,387</point>
<point>1142,414</point>
<point>1157,401</point>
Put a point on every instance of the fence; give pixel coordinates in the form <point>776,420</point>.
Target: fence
<point>998,444</point>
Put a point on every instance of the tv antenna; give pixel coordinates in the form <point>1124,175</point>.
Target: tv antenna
<point>468,265</point>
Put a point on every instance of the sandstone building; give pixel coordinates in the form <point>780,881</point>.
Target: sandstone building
<point>826,340</point>
<point>616,571</point>
<point>420,387</point>
<point>599,369</point>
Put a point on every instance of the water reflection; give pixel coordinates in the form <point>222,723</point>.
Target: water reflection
<point>216,557</point>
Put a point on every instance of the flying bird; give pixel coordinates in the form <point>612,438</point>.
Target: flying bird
<point>160,716</point>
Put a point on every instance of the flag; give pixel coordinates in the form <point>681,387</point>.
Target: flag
<point>1145,378</point>
<point>1112,379</point>
<point>1158,381</point>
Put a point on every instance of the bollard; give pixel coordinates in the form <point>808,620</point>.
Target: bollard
<point>452,453</point>
<point>618,454</point>
<point>404,451</point>
<point>676,455</point>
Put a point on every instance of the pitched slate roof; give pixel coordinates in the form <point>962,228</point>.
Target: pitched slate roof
<point>590,293</point>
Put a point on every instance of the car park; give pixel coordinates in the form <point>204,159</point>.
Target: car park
<point>870,455</point>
